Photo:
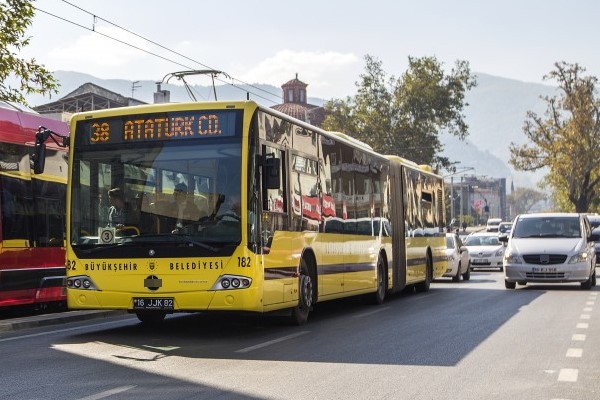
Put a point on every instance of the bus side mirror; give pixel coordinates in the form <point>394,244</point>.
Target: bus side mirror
<point>39,158</point>
<point>272,172</point>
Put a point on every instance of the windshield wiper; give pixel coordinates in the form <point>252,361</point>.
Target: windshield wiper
<point>164,238</point>
<point>189,240</point>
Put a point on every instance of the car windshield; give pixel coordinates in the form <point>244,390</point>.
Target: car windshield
<point>503,228</point>
<point>549,227</point>
<point>476,240</point>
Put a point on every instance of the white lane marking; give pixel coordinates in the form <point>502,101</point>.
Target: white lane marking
<point>588,309</point>
<point>583,325</point>
<point>568,375</point>
<point>578,337</point>
<point>270,342</point>
<point>59,331</point>
<point>590,303</point>
<point>577,353</point>
<point>585,316</point>
<point>108,393</point>
<point>366,314</point>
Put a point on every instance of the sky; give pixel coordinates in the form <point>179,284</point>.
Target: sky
<point>324,42</point>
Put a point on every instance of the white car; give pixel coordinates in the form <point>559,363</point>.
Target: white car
<point>485,250</point>
<point>492,224</point>
<point>458,259</point>
<point>550,248</point>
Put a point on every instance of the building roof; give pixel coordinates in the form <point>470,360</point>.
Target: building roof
<point>87,97</point>
<point>303,111</point>
<point>295,105</point>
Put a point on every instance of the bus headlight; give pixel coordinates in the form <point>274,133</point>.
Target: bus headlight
<point>230,282</point>
<point>81,282</point>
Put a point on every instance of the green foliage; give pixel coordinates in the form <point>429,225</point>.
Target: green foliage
<point>522,199</point>
<point>566,140</point>
<point>29,76</point>
<point>404,116</point>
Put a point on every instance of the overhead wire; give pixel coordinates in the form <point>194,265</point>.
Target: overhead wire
<point>153,53</point>
<point>166,48</point>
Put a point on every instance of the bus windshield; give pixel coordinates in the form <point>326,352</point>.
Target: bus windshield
<point>180,194</point>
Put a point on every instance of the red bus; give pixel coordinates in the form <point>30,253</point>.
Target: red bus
<point>32,212</point>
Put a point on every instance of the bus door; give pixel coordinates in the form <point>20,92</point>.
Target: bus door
<point>279,265</point>
<point>396,194</point>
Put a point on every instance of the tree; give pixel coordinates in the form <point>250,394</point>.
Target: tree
<point>29,76</point>
<point>404,116</point>
<point>566,140</point>
<point>522,199</point>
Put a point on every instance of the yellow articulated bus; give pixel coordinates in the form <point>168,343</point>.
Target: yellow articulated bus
<point>231,206</point>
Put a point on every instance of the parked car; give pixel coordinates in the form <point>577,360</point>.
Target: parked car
<point>550,248</point>
<point>458,258</point>
<point>504,228</point>
<point>485,250</point>
<point>492,224</point>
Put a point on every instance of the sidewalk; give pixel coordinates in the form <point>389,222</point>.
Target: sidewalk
<point>34,321</point>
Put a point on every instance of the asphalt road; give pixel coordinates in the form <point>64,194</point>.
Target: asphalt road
<point>467,340</point>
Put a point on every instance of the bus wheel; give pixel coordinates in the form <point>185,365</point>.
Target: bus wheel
<point>306,296</point>
<point>424,286</point>
<point>150,317</point>
<point>378,297</point>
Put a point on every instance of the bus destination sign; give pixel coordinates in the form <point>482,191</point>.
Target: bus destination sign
<point>159,127</point>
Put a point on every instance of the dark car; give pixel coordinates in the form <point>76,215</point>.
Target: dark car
<point>594,220</point>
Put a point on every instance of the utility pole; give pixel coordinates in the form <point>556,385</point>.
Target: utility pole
<point>134,85</point>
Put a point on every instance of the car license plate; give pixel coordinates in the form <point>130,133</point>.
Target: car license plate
<point>153,303</point>
<point>543,269</point>
<point>480,261</point>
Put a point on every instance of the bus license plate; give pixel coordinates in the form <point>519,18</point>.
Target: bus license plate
<point>152,303</point>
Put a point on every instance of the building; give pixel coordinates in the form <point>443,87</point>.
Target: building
<point>295,103</point>
<point>87,97</point>
<point>476,199</point>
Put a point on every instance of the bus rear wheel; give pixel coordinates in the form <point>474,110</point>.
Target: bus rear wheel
<point>424,286</point>
<point>151,317</point>
<point>379,296</point>
<point>306,295</point>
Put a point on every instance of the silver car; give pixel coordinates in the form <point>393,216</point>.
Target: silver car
<point>485,250</point>
<point>550,248</point>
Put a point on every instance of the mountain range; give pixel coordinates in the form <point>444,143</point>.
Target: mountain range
<point>496,112</point>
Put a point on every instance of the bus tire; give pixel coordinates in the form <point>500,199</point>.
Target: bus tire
<point>306,295</point>
<point>151,317</point>
<point>423,287</point>
<point>378,297</point>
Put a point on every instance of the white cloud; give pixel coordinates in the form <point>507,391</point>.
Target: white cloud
<point>98,55</point>
<point>328,74</point>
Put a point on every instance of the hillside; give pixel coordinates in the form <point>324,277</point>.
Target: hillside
<point>496,113</point>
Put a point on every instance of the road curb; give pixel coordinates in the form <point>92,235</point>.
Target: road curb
<point>55,319</point>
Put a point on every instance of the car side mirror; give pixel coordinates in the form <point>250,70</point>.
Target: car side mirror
<point>503,239</point>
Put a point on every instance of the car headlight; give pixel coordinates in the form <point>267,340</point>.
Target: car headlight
<point>500,252</point>
<point>579,257</point>
<point>513,258</point>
